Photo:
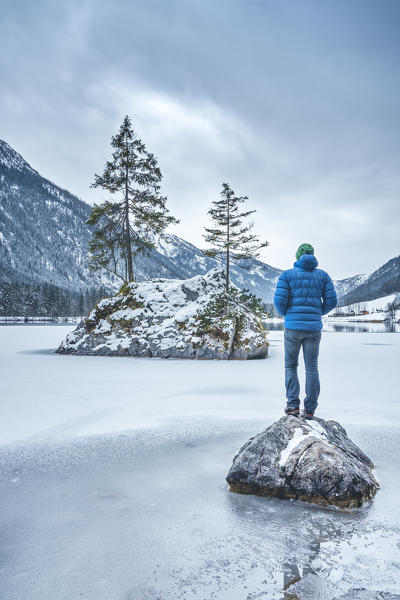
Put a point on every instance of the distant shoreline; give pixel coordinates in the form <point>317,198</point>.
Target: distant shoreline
<point>20,319</point>
<point>358,319</point>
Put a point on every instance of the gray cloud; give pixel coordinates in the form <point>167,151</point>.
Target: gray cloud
<point>296,104</point>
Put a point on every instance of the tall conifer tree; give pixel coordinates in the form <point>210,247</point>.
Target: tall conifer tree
<point>231,239</point>
<point>126,226</point>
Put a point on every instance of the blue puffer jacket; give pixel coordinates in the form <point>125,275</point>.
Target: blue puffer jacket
<point>303,294</point>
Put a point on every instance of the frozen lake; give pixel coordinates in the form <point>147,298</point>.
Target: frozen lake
<point>113,476</point>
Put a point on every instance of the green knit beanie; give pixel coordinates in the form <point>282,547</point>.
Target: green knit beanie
<point>304,249</point>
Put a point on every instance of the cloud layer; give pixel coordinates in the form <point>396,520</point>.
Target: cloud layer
<point>295,104</point>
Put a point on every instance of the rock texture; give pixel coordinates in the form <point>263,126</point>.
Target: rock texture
<point>160,317</point>
<point>312,461</point>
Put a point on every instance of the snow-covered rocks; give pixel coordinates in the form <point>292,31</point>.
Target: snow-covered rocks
<point>312,461</point>
<point>160,318</point>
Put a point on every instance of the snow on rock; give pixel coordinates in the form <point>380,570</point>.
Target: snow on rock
<point>12,160</point>
<point>312,461</point>
<point>160,317</point>
<point>296,440</point>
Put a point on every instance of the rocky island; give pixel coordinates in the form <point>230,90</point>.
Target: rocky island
<point>169,318</point>
<point>308,460</point>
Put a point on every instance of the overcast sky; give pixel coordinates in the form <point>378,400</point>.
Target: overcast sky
<point>295,103</point>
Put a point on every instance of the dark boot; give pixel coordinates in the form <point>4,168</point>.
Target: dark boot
<point>292,412</point>
<point>307,415</point>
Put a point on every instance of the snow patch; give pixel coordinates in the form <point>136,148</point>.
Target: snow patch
<point>298,437</point>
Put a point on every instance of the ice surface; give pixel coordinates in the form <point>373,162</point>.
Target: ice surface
<point>112,475</point>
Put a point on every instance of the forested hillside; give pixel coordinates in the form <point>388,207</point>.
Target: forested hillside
<point>382,282</point>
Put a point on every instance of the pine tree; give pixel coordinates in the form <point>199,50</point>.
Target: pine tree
<point>126,226</point>
<point>231,238</point>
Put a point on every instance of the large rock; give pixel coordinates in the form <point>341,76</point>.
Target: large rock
<point>313,461</point>
<point>160,317</point>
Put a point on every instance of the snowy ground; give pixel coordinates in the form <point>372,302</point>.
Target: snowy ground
<point>112,476</point>
<point>377,309</point>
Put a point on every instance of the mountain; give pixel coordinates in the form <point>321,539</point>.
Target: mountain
<point>382,282</point>
<point>43,231</point>
<point>344,286</point>
<point>44,240</point>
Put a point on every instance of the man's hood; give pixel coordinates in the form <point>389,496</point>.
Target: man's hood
<point>307,262</point>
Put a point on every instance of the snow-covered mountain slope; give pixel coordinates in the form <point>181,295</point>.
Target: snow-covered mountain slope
<point>382,282</point>
<point>43,231</point>
<point>10,159</point>
<point>381,304</point>
<point>344,286</point>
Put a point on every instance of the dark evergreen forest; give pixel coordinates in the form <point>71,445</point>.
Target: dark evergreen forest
<point>46,300</point>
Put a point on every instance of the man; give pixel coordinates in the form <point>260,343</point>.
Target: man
<point>303,294</point>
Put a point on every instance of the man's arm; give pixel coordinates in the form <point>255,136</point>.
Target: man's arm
<point>329,298</point>
<point>281,297</point>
